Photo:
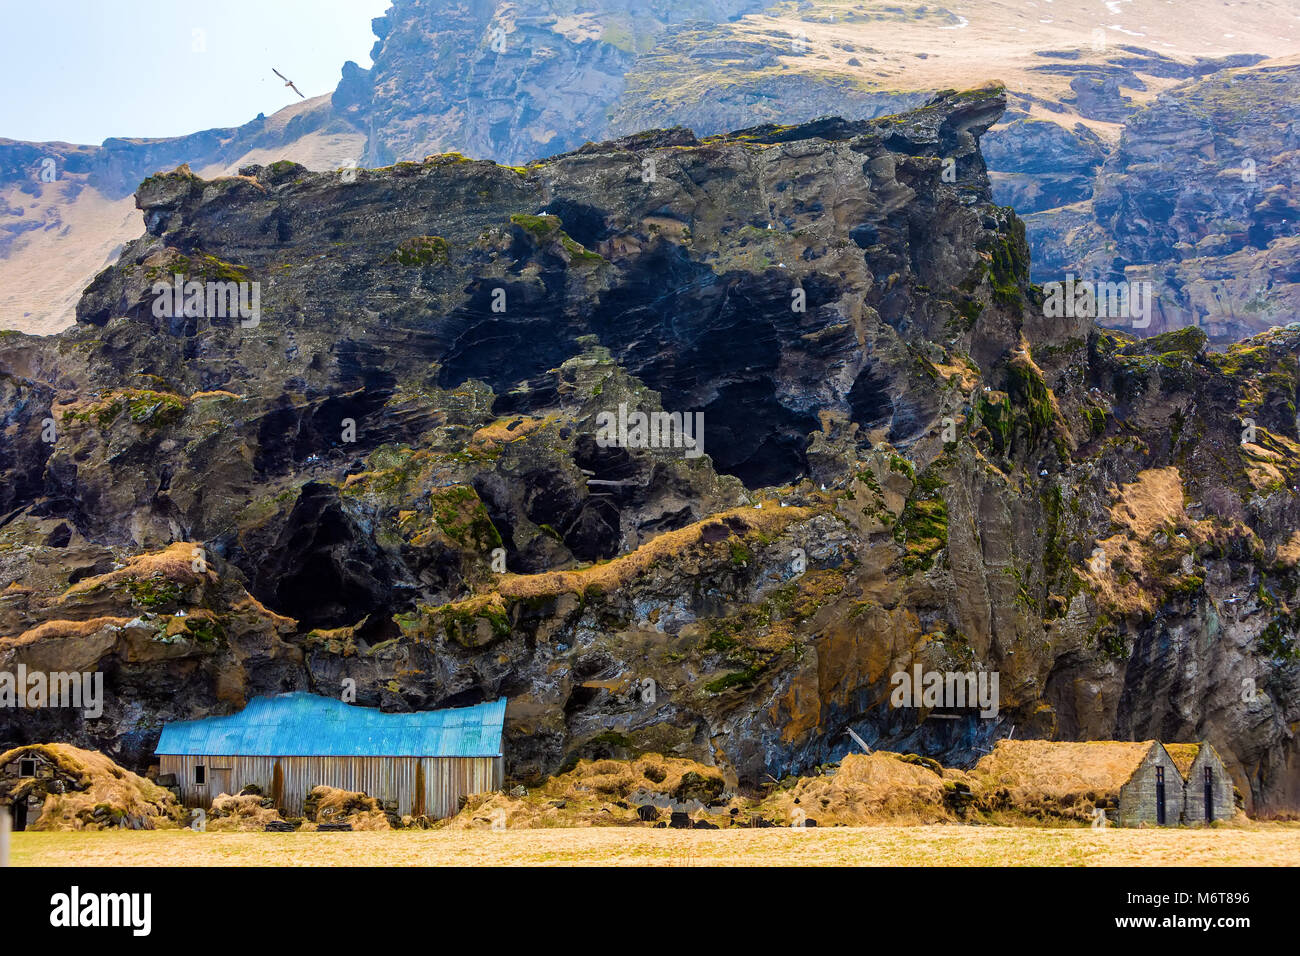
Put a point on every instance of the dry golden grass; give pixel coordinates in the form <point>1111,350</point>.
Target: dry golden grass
<point>62,628</point>
<point>500,433</point>
<point>1150,503</point>
<point>215,393</point>
<point>248,604</point>
<point>1261,845</point>
<point>591,793</point>
<point>240,813</point>
<point>1262,463</point>
<point>174,563</point>
<point>1289,553</point>
<point>867,789</point>
<point>769,520</point>
<point>1183,756</point>
<point>1034,769</point>
<point>332,805</point>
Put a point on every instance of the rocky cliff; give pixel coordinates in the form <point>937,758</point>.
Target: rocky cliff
<point>1148,156</point>
<point>1123,145</point>
<point>1201,197</point>
<point>393,473</point>
<point>66,210</point>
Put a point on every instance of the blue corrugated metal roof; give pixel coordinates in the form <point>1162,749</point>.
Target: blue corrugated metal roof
<point>307,725</point>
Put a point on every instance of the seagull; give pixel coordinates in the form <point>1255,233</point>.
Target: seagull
<point>287,82</point>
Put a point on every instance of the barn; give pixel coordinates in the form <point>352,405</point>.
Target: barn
<point>1207,787</point>
<point>288,744</point>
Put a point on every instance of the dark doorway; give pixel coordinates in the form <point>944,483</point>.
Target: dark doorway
<point>1160,795</point>
<point>20,815</point>
<point>1209,795</point>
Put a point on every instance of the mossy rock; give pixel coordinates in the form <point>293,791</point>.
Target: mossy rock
<point>697,786</point>
<point>153,593</point>
<point>473,625</point>
<point>462,517</point>
<point>922,528</point>
<point>541,227</point>
<point>420,252</point>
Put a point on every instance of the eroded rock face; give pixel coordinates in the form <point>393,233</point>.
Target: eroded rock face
<point>507,81</point>
<point>512,81</point>
<point>394,473</point>
<point>1116,182</point>
<point>1200,198</point>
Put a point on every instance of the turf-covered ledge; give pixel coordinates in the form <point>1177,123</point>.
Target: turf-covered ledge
<point>478,620</point>
<point>59,628</point>
<point>746,522</point>
<point>168,569</point>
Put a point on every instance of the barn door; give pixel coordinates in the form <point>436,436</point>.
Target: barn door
<point>1160,795</point>
<point>1209,795</point>
<point>221,782</point>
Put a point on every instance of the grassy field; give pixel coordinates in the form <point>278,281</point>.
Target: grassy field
<point>1275,845</point>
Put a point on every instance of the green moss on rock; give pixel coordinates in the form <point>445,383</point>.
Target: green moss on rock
<point>422,251</point>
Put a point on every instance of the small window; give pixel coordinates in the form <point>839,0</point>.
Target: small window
<point>200,775</point>
<point>1209,776</point>
<point>27,768</point>
<point>1160,774</point>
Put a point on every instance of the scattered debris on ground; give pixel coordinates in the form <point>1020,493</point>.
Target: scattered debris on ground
<point>327,806</point>
<point>650,790</point>
<point>243,811</point>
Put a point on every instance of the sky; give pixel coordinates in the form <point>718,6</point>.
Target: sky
<point>80,71</point>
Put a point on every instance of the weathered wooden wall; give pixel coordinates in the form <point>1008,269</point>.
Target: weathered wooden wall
<point>445,779</point>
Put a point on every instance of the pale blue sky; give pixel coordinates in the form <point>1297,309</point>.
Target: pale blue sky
<point>80,71</point>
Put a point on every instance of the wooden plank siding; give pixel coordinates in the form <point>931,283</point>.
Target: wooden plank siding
<point>445,779</point>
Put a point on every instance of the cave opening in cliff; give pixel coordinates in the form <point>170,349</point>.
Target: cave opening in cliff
<point>324,569</point>
<point>291,435</point>
<point>584,223</point>
<point>869,401</point>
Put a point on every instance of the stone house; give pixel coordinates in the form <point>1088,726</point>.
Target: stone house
<point>27,775</point>
<point>1136,783</point>
<point>1208,792</point>
<point>1153,794</point>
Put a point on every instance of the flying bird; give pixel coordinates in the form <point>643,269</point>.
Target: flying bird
<point>287,82</point>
